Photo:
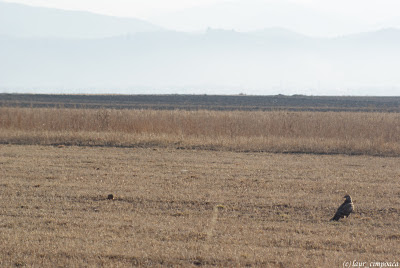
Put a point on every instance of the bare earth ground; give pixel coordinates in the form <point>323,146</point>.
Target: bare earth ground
<point>189,208</point>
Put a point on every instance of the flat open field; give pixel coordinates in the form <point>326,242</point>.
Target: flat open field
<point>206,102</point>
<point>194,207</point>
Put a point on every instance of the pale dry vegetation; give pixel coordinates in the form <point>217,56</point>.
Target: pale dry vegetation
<point>196,188</point>
<point>193,208</point>
<point>276,131</point>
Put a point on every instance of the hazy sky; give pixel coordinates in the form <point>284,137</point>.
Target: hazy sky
<point>242,15</point>
<point>336,68</point>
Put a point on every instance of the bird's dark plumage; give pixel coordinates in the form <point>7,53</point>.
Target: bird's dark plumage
<point>345,209</point>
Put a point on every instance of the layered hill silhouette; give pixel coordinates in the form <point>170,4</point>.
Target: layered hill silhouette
<point>27,21</point>
<point>70,51</point>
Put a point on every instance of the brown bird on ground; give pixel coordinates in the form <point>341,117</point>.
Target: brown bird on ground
<point>345,209</point>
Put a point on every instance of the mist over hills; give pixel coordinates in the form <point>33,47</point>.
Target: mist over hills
<point>257,14</point>
<point>131,59</point>
<point>31,22</point>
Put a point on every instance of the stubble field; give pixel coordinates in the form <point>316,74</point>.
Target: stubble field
<point>176,207</point>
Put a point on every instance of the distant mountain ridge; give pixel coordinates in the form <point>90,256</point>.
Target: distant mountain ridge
<point>19,20</point>
<point>152,60</point>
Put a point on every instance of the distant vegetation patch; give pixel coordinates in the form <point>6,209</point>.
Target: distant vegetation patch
<point>267,131</point>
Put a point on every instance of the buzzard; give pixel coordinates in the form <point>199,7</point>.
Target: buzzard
<point>345,209</point>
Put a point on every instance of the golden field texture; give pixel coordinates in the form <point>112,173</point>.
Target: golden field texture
<point>257,131</point>
<point>197,188</point>
<point>175,207</point>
